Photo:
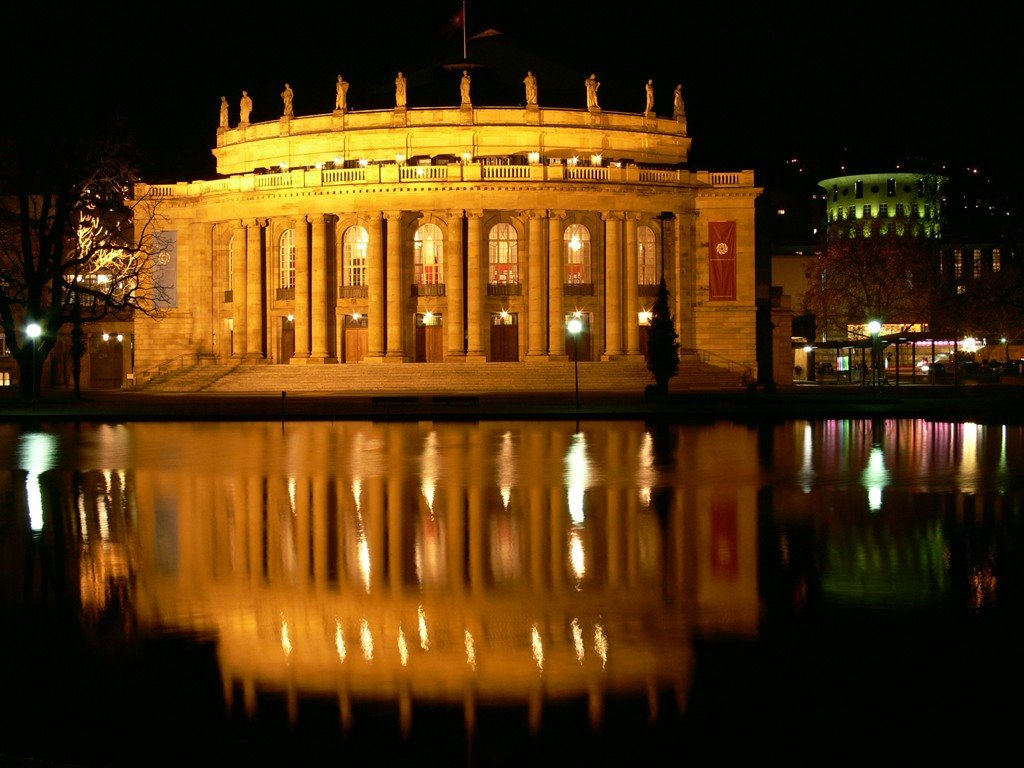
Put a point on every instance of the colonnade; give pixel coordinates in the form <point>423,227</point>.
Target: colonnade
<point>612,307</point>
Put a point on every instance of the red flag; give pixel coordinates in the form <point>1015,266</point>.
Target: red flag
<point>457,21</point>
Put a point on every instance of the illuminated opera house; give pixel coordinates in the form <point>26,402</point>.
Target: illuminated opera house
<point>450,234</point>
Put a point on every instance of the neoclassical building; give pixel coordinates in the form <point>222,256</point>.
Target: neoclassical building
<point>453,234</point>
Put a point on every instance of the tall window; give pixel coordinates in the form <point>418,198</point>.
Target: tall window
<point>577,254</point>
<point>286,272</point>
<point>958,264</point>
<point>428,246</point>
<point>977,263</point>
<point>354,246</point>
<point>997,259</point>
<point>231,264</point>
<point>503,255</point>
<point>646,256</point>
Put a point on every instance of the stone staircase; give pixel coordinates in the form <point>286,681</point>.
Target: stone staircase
<point>627,375</point>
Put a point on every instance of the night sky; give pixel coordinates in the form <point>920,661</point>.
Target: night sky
<point>760,86</point>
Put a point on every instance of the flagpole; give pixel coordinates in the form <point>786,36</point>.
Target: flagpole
<point>465,56</point>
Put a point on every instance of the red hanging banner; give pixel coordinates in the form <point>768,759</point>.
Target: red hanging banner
<point>722,260</point>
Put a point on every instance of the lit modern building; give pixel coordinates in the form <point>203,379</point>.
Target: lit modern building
<point>454,234</point>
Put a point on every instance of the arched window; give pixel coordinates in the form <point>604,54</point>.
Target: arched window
<point>503,255</point>
<point>354,246</point>
<point>577,255</point>
<point>646,256</point>
<point>286,271</point>
<point>231,264</point>
<point>428,246</point>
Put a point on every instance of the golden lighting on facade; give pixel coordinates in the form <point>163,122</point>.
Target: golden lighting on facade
<point>533,157</point>
<point>467,157</point>
<point>363,162</point>
<point>645,317</point>
<point>595,159</point>
<point>538,647</point>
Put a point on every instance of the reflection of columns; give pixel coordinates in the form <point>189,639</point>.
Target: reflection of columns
<point>613,285</point>
<point>373,529</point>
<point>632,322</point>
<point>476,270</point>
<point>303,530</point>
<point>454,328</point>
<point>254,289</point>
<point>318,291</point>
<point>536,293</point>
<point>556,284</point>
<point>395,538</point>
<point>477,541</point>
<point>302,271</point>
<point>396,309</point>
<point>613,535</point>
<point>375,287</point>
<point>538,537</point>
<point>239,292</point>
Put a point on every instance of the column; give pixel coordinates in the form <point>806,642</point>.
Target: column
<point>318,290</point>
<point>375,288</point>
<point>455,333</point>
<point>239,291</point>
<point>612,286</point>
<point>254,289</point>
<point>632,322</point>
<point>302,270</point>
<point>556,282</point>
<point>396,288</point>
<point>202,285</point>
<point>476,285</point>
<point>536,294</point>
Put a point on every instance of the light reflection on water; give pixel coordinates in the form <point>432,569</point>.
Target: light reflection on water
<point>581,583</point>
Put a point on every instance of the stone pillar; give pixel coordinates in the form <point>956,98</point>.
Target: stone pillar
<point>536,303</point>
<point>556,283</point>
<point>375,289</point>
<point>239,291</point>
<point>201,286</point>
<point>254,276</point>
<point>455,330</point>
<point>476,286</point>
<point>302,272</point>
<point>612,286</point>
<point>318,290</point>
<point>396,288</point>
<point>632,322</point>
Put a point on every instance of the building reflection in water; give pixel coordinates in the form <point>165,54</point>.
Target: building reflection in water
<point>501,564</point>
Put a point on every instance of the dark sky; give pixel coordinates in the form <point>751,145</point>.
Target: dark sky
<point>760,85</point>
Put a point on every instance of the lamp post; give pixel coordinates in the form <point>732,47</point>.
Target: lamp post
<point>874,328</point>
<point>33,331</point>
<point>575,326</point>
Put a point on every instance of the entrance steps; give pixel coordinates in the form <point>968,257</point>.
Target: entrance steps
<point>624,375</point>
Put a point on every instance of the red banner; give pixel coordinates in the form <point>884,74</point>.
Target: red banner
<point>722,260</point>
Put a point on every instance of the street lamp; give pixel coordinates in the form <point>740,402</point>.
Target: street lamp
<point>33,331</point>
<point>874,328</point>
<point>575,326</point>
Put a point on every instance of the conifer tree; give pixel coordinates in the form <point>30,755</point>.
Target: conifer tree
<point>662,342</point>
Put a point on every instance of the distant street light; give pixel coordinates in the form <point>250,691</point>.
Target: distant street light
<point>874,328</point>
<point>33,331</point>
<point>575,326</point>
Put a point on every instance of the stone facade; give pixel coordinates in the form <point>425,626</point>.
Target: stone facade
<point>454,235</point>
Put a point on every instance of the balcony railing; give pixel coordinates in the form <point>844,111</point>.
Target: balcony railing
<point>299,178</point>
<point>578,289</point>
<point>504,289</point>
<point>423,289</point>
<point>353,291</point>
